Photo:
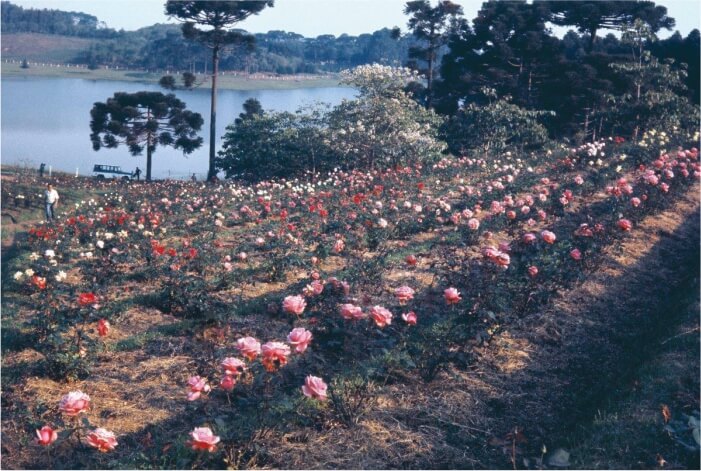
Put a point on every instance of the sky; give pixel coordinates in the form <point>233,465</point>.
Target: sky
<point>310,18</point>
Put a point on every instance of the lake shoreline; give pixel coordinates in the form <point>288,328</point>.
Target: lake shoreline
<point>225,82</point>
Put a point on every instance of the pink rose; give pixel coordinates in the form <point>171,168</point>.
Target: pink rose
<point>275,355</point>
<point>314,289</point>
<point>548,237</point>
<point>529,238</point>
<point>381,316</point>
<point>102,439</point>
<point>233,366</point>
<point>299,338</point>
<point>197,386</point>
<point>533,271</point>
<point>249,347</point>
<point>227,383</point>
<point>294,305</point>
<point>46,435</point>
<point>625,224</point>
<point>576,254</point>
<point>410,318</point>
<point>74,403</point>
<point>473,224</point>
<point>452,296</point>
<point>351,312</point>
<point>404,294</point>
<point>314,387</point>
<point>203,439</point>
<point>502,260</point>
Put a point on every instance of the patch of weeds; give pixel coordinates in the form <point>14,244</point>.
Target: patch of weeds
<point>350,397</point>
<point>138,341</point>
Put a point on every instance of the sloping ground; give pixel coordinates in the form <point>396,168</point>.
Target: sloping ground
<point>37,47</point>
<point>537,381</point>
<point>652,420</point>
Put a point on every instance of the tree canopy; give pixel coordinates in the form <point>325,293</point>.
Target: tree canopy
<point>144,120</point>
<point>591,16</point>
<point>431,25</point>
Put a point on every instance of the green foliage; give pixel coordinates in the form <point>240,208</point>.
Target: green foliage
<point>350,397</point>
<point>657,96</point>
<point>496,127</point>
<point>260,145</point>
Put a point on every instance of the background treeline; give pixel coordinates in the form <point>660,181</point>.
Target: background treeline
<point>16,19</point>
<point>162,46</point>
<point>502,82</point>
<point>510,49</point>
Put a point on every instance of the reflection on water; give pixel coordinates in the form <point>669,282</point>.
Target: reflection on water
<point>48,120</point>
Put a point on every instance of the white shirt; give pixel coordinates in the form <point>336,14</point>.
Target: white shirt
<point>51,196</point>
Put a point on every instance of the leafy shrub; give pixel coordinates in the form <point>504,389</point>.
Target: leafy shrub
<point>496,127</point>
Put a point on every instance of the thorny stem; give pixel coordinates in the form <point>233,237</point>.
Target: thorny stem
<point>513,448</point>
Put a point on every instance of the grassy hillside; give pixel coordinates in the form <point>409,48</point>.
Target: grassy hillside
<point>42,47</point>
<point>227,82</point>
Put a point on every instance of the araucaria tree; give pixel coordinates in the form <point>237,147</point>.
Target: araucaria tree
<point>431,25</point>
<point>144,120</point>
<point>215,20</point>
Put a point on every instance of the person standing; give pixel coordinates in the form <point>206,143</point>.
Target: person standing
<point>51,196</point>
<point>137,173</point>
<point>41,170</point>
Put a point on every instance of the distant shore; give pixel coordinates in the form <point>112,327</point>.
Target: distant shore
<point>225,82</point>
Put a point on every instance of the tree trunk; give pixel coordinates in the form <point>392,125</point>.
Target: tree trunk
<point>213,115</point>
<point>637,116</point>
<point>592,37</point>
<point>148,148</point>
<point>148,160</point>
<point>429,85</point>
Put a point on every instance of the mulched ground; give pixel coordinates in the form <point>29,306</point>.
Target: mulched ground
<point>541,377</point>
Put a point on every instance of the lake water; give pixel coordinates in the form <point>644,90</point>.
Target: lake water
<point>48,120</point>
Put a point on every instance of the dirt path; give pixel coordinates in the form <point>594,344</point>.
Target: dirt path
<point>594,337</point>
<point>544,376</point>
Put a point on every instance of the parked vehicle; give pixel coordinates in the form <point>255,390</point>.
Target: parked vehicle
<point>101,171</point>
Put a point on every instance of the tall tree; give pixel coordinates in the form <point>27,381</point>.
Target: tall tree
<point>144,120</point>
<point>509,49</point>
<point>431,25</point>
<point>218,18</point>
<point>591,16</point>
